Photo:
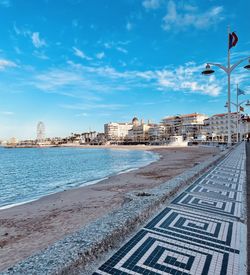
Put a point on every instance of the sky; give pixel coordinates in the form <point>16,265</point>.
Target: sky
<point>77,64</point>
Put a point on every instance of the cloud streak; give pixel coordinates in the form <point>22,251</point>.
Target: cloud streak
<point>151,4</point>
<point>4,63</point>
<point>100,55</point>
<point>35,38</point>
<point>79,79</point>
<point>37,41</point>
<point>81,54</point>
<point>182,17</point>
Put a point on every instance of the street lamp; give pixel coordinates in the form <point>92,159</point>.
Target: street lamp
<point>238,105</point>
<point>208,70</point>
<point>228,70</point>
<point>248,65</point>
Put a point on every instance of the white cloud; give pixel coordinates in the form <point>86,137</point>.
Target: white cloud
<point>17,30</point>
<point>75,81</point>
<point>151,4</point>
<point>82,81</point>
<point>81,54</point>
<point>122,50</point>
<point>100,55</point>
<point>55,79</point>
<point>114,44</point>
<point>235,55</point>
<point>180,18</point>
<point>188,79</point>
<point>189,7</point>
<point>6,63</point>
<point>22,31</point>
<point>37,41</point>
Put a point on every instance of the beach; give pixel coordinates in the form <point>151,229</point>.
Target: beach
<point>28,228</point>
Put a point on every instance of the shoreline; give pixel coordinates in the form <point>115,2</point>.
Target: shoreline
<point>30,227</point>
<point>87,146</point>
<point>86,183</point>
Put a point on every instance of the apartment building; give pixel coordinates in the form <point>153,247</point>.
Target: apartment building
<point>189,125</point>
<point>216,127</point>
<point>117,131</point>
<point>157,133</point>
<point>87,137</point>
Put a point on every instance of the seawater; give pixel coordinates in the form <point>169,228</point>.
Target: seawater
<point>27,174</point>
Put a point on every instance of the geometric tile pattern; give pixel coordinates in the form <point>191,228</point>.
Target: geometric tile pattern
<point>199,232</point>
<point>214,192</point>
<point>213,205</point>
<point>149,253</point>
<point>222,185</point>
<point>201,229</point>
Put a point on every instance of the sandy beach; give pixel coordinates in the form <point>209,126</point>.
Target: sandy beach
<point>30,227</point>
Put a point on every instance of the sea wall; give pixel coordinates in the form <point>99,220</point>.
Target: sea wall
<point>87,244</point>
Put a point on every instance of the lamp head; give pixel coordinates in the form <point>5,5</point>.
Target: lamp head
<point>248,65</point>
<point>248,103</point>
<point>208,70</point>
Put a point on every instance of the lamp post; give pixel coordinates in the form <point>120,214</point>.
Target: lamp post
<point>238,105</point>
<point>228,70</point>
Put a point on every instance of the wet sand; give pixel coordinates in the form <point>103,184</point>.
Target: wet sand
<point>30,227</point>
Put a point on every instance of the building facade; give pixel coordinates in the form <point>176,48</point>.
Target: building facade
<point>117,131</point>
<point>216,127</point>
<point>157,133</point>
<point>88,137</point>
<point>139,133</point>
<point>190,126</point>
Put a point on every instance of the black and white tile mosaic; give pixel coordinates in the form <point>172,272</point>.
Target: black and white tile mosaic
<point>199,233</point>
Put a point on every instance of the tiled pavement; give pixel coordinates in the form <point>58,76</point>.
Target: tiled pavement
<point>201,232</point>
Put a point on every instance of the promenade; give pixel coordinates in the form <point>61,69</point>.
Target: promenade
<point>202,231</point>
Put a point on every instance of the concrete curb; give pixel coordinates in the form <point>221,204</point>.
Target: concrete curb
<point>85,245</point>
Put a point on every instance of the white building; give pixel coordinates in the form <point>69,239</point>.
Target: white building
<point>188,125</point>
<point>157,132</point>
<point>217,127</point>
<point>87,137</point>
<point>117,131</point>
<point>143,132</point>
<point>139,133</point>
<point>12,141</point>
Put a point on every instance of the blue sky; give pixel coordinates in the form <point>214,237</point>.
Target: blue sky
<point>77,64</point>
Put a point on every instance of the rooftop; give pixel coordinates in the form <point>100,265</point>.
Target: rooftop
<point>184,116</point>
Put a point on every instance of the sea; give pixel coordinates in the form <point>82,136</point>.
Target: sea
<point>27,174</point>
